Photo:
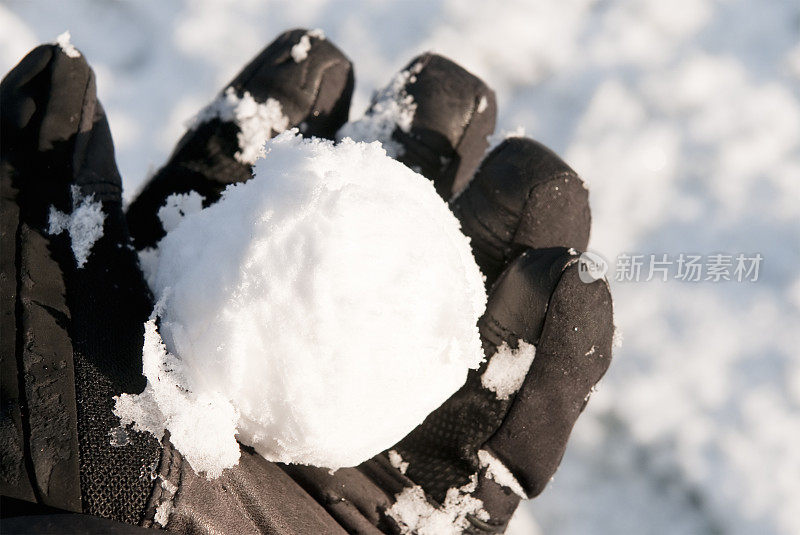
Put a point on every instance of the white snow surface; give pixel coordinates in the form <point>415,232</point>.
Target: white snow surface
<point>682,116</point>
<point>84,224</point>
<point>339,307</point>
<point>507,369</point>
<point>177,206</point>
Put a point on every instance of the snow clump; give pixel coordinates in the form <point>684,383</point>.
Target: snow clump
<point>337,308</point>
<point>84,225</point>
<point>257,121</point>
<point>392,108</point>
<point>64,42</point>
<point>300,50</point>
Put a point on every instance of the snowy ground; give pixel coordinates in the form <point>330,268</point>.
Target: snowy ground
<point>683,116</point>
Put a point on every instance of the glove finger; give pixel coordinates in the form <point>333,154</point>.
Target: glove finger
<point>572,352</point>
<point>533,308</point>
<point>435,118</point>
<point>522,196</point>
<point>77,299</point>
<point>356,497</point>
<point>17,105</point>
<point>300,80</point>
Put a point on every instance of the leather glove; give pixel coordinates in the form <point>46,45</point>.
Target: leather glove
<point>72,331</point>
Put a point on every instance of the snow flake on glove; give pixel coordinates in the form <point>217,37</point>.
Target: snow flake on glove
<point>84,224</point>
<point>392,108</point>
<point>415,514</point>
<point>497,471</point>
<point>63,41</point>
<point>397,461</point>
<point>300,50</point>
<point>507,369</point>
<point>257,121</point>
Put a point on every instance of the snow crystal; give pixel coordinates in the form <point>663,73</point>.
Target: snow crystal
<point>415,514</point>
<point>507,369</point>
<point>84,224</point>
<point>497,471</point>
<point>177,206</point>
<point>482,104</point>
<point>63,41</point>
<point>397,461</point>
<point>391,108</point>
<point>165,508</point>
<point>316,338</point>
<point>257,121</point>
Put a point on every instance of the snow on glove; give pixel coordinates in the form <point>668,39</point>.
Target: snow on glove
<point>300,80</point>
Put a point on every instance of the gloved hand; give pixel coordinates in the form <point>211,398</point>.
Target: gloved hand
<point>72,317</point>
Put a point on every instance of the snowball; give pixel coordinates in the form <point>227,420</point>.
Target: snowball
<point>323,309</point>
<point>392,108</point>
<point>507,369</point>
<point>63,41</point>
<point>257,121</point>
<point>84,224</point>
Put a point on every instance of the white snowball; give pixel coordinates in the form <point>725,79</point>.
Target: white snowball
<point>332,300</point>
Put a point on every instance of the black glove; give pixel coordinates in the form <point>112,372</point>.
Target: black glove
<point>72,335</point>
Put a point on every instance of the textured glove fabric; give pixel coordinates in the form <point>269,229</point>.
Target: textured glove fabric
<point>455,112</point>
<point>74,333</point>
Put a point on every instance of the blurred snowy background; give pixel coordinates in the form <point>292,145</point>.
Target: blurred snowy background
<point>683,116</point>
